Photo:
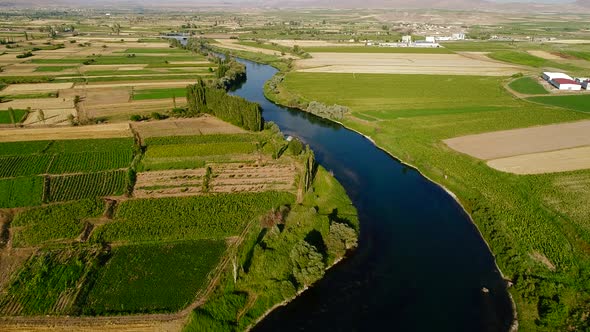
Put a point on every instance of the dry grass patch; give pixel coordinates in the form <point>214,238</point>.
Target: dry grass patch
<point>507,143</point>
<point>64,133</point>
<point>39,103</point>
<point>203,125</point>
<point>545,162</point>
<point>51,117</point>
<point>35,87</point>
<point>403,63</point>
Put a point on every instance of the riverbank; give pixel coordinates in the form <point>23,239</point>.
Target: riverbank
<point>490,198</point>
<point>276,98</point>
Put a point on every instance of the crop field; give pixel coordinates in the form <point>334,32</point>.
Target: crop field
<point>49,282</point>
<point>22,191</point>
<point>80,186</point>
<point>199,150</point>
<point>159,93</point>
<point>579,103</point>
<point>19,116</point>
<point>153,278</point>
<point>54,223</point>
<point>91,161</point>
<point>188,218</point>
<point>203,125</point>
<point>526,59</point>
<point>528,86</point>
<point>403,63</point>
<point>24,165</point>
<point>65,133</point>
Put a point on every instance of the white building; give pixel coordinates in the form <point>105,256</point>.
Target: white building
<point>565,84</point>
<point>431,39</point>
<point>406,39</point>
<point>549,76</point>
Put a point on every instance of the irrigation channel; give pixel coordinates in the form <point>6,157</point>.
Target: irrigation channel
<point>421,264</point>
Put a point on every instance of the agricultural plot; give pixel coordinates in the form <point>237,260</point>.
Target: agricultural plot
<point>91,161</point>
<point>81,186</point>
<point>203,125</point>
<point>24,165</point>
<point>66,133</point>
<point>19,116</point>
<point>153,278</point>
<point>49,282</point>
<point>528,86</point>
<point>187,218</point>
<point>376,49</point>
<point>159,93</point>
<point>579,103</point>
<point>391,63</point>
<point>53,223</point>
<point>22,191</point>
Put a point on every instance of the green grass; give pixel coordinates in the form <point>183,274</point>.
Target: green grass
<point>156,50</point>
<point>22,191</point>
<point>517,215</point>
<point>376,49</point>
<point>48,277</point>
<point>579,103</point>
<point>159,93</point>
<point>31,95</point>
<point>19,116</point>
<point>525,59</point>
<point>153,278</point>
<point>201,139</point>
<point>188,218</point>
<point>527,85</point>
<point>53,68</point>
<point>23,148</point>
<point>478,46</point>
<point>52,223</point>
<point>409,100</point>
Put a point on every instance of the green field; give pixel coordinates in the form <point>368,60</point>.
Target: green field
<point>159,93</point>
<point>579,103</point>
<point>19,116</point>
<point>188,218</point>
<point>525,59</point>
<point>62,222</point>
<point>91,161</point>
<point>153,278</point>
<point>517,215</point>
<point>376,49</point>
<point>527,85</point>
<point>53,68</point>
<point>22,191</point>
<point>34,164</point>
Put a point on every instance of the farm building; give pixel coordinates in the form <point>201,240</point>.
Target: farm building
<point>586,85</point>
<point>549,76</point>
<point>565,84</point>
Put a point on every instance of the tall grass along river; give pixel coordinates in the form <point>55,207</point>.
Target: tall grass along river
<point>421,264</point>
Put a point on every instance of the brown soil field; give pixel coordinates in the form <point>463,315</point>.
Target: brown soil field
<point>545,162</point>
<point>39,103</point>
<point>52,117</point>
<point>59,133</point>
<point>232,44</point>
<point>402,63</point>
<point>507,143</point>
<point>544,55</point>
<point>35,87</point>
<point>203,125</point>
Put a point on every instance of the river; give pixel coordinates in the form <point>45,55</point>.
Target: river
<point>421,264</point>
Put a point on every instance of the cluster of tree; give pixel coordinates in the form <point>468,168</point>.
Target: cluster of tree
<point>229,72</point>
<point>335,112</point>
<point>25,55</point>
<point>235,110</point>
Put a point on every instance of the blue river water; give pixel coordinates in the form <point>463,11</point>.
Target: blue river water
<point>421,264</point>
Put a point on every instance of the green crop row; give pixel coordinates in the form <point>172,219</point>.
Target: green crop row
<point>188,218</point>
<point>23,148</point>
<point>90,162</point>
<point>33,164</point>
<point>527,85</point>
<point>22,191</point>
<point>53,222</point>
<point>80,186</point>
<point>190,150</point>
<point>579,103</point>
<point>200,139</point>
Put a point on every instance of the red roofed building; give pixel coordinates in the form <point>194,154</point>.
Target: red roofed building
<point>566,84</point>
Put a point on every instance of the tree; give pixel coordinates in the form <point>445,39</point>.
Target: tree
<point>12,116</point>
<point>116,28</point>
<point>41,116</point>
<point>308,263</point>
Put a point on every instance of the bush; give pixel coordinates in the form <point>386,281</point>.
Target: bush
<point>137,118</point>
<point>25,55</point>
<point>295,147</point>
<point>308,264</point>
